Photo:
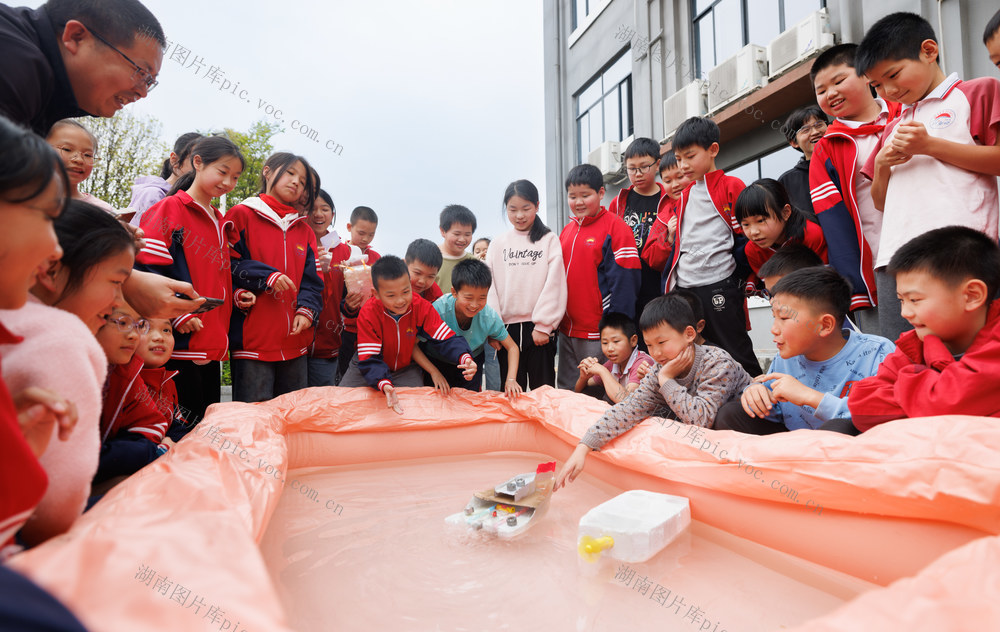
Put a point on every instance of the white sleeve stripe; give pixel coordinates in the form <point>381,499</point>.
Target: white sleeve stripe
<point>156,250</point>
<point>823,189</point>
<point>817,198</point>
<point>442,332</point>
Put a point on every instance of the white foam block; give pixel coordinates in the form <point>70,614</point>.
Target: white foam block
<point>642,523</point>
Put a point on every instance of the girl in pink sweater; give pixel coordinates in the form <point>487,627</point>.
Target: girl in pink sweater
<point>529,286</point>
<point>32,192</point>
<point>71,299</point>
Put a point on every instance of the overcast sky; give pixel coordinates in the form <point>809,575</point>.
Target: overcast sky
<point>431,102</point>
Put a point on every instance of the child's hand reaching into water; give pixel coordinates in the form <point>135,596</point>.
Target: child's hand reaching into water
<point>392,399</point>
<point>572,467</point>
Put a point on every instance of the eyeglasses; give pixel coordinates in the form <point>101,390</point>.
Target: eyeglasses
<point>637,170</point>
<point>139,74</point>
<point>126,323</point>
<point>817,126</point>
<point>69,153</point>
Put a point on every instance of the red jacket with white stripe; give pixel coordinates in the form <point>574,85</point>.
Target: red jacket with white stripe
<point>602,272</point>
<point>723,190</point>
<point>184,242</point>
<point>834,163</point>
<point>273,239</point>
<point>385,345</point>
<point>129,406</point>
<point>326,342</point>
<point>658,251</point>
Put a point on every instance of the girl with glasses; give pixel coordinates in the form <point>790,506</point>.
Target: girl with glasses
<point>77,147</point>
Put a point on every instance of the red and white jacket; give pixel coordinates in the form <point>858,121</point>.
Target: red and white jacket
<point>658,251</point>
<point>923,379</point>
<point>273,239</point>
<point>723,190</point>
<point>129,406</point>
<point>834,162</point>
<point>602,272</point>
<point>811,239</point>
<point>385,345</point>
<point>185,242</point>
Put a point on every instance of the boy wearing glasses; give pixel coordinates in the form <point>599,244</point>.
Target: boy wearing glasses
<point>637,205</point>
<point>803,128</point>
<point>133,425</point>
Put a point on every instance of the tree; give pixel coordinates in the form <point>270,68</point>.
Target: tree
<point>128,146</point>
<point>256,146</point>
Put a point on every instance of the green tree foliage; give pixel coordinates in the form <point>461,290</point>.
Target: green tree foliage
<point>128,146</point>
<point>256,146</point>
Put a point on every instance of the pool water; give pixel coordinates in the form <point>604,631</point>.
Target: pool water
<point>366,548</point>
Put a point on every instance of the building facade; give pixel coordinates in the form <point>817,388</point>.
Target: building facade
<point>611,64</point>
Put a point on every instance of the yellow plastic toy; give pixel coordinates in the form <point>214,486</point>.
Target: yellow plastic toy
<point>590,548</point>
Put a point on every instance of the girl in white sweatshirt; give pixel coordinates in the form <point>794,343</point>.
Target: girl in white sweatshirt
<point>529,286</point>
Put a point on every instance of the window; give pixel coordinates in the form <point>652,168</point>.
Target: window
<point>769,165</point>
<point>582,9</point>
<point>723,27</point>
<point>604,107</point>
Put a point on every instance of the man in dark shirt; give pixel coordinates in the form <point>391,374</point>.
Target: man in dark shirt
<point>803,129</point>
<point>76,57</point>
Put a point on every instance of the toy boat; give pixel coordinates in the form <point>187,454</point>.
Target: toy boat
<point>510,508</point>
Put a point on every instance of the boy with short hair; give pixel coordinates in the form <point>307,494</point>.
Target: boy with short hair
<point>620,374</point>
<point>602,270</point>
<point>465,311</point>
<point>660,243</point>
<point>708,256</point>
<point>689,382</point>
<point>818,359</point>
<point>841,195</point>
<point>637,205</point>
<point>803,128</point>
<point>947,364</point>
<point>457,224</point>
<point>991,38</point>
<point>388,326</point>
<point>423,261</point>
<point>937,164</point>
<point>788,259</point>
<point>361,227</point>
<point>697,309</point>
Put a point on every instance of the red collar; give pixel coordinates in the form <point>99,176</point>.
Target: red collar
<point>278,207</point>
<point>7,338</point>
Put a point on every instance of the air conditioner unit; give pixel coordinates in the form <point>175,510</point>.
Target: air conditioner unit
<point>608,158</point>
<point>691,100</point>
<point>741,74</point>
<point>802,41</point>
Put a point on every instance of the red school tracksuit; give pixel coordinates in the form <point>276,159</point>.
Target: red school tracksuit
<point>834,163</point>
<point>385,345</point>
<point>602,270</point>
<point>273,239</point>
<point>658,251</point>
<point>183,242</point>
<point>924,379</point>
<point>133,422</point>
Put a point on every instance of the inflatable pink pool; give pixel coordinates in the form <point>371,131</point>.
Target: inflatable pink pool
<point>323,510</point>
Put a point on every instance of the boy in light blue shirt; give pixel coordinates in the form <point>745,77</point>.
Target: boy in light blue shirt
<point>465,311</point>
<point>818,359</point>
